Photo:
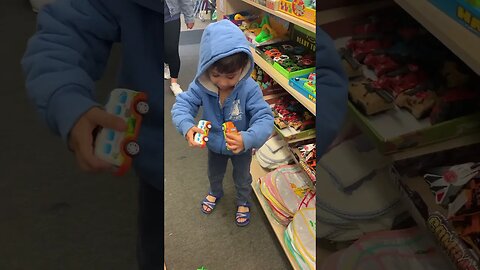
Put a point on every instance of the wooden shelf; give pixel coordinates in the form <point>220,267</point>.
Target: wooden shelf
<point>280,79</point>
<point>456,37</point>
<point>376,127</point>
<point>257,171</point>
<point>325,16</point>
<point>437,147</point>
<point>336,14</point>
<point>310,27</point>
<point>419,185</point>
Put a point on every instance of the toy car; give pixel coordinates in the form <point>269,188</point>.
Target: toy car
<point>117,147</point>
<point>202,139</point>
<point>228,127</point>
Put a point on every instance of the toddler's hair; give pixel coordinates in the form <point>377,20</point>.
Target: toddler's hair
<point>231,63</point>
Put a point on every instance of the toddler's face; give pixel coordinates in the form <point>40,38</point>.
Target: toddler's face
<point>224,81</point>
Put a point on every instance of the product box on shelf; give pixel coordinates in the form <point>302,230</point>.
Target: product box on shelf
<point>298,9</point>
<point>425,212</point>
<point>398,130</point>
<point>305,85</point>
<point>292,121</point>
<point>289,134</point>
<point>304,153</point>
<point>273,4</point>
<point>303,37</point>
<point>465,12</point>
<point>289,58</point>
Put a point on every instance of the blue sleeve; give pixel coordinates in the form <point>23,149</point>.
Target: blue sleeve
<point>185,109</point>
<point>332,92</point>
<point>261,120</point>
<point>64,57</point>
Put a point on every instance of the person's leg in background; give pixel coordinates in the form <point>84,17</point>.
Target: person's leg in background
<point>150,227</point>
<point>243,180</point>
<point>172,56</point>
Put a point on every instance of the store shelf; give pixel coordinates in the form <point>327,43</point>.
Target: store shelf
<point>310,27</point>
<point>398,122</point>
<point>438,147</point>
<point>325,16</point>
<point>457,38</point>
<point>419,185</point>
<point>281,80</point>
<point>257,171</point>
<point>336,14</point>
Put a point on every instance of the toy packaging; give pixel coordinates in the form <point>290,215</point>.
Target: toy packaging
<point>268,85</point>
<point>302,9</point>
<point>306,85</point>
<point>465,12</point>
<point>116,147</point>
<point>289,58</point>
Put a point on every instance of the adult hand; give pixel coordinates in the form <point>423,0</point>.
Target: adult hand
<point>190,135</point>
<point>190,25</point>
<point>81,139</point>
<point>235,142</point>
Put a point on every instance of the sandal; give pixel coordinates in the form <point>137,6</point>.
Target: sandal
<point>210,205</point>
<point>244,215</point>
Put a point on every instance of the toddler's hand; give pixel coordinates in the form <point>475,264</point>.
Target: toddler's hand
<point>190,25</point>
<point>191,133</point>
<point>235,142</point>
<point>81,139</point>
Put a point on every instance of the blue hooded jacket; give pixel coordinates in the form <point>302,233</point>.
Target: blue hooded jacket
<point>332,92</point>
<point>69,51</point>
<point>245,106</point>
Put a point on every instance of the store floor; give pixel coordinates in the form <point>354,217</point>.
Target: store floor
<point>193,239</point>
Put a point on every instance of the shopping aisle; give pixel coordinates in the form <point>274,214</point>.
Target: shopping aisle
<point>193,239</point>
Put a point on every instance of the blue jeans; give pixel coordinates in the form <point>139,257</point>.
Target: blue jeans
<point>217,165</point>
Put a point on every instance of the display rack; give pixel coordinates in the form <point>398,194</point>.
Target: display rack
<point>457,38</point>
<point>282,81</point>
<point>370,128</point>
<point>257,172</point>
<point>417,184</point>
<point>310,27</point>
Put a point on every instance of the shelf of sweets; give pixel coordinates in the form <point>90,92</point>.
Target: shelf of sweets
<point>432,217</point>
<point>456,37</point>
<point>283,81</point>
<point>304,154</point>
<point>403,113</point>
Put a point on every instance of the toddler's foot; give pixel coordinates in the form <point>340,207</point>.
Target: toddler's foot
<point>242,217</point>
<point>209,203</point>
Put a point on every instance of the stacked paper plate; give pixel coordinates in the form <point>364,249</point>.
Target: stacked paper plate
<point>286,190</point>
<point>357,195</point>
<point>300,238</point>
<point>397,249</point>
<point>274,153</point>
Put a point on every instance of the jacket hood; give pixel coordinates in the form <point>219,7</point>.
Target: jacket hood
<point>219,40</point>
<point>155,5</point>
